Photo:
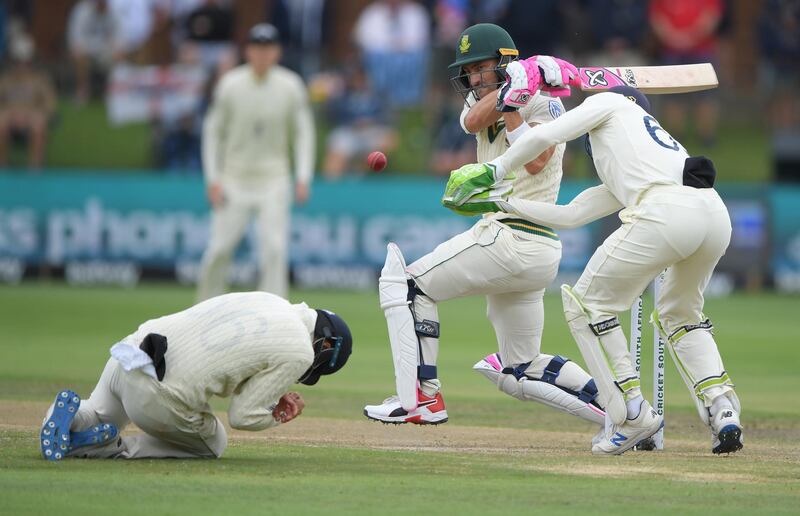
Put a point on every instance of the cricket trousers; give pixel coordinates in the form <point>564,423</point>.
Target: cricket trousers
<point>685,231</point>
<point>511,267</point>
<point>170,430</point>
<point>269,204</point>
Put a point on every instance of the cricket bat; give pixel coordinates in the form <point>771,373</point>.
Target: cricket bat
<point>650,79</point>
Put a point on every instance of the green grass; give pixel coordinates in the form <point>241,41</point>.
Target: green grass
<point>84,138</point>
<point>55,336</point>
<point>277,479</point>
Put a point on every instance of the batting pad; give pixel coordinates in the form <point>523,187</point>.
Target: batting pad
<point>542,392</point>
<point>609,393</point>
<point>393,292</point>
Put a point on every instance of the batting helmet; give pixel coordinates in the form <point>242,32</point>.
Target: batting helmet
<point>478,43</point>
<point>330,329</point>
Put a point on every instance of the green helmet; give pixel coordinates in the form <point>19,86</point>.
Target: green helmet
<point>478,43</point>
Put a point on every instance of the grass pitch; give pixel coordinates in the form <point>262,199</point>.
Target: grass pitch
<point>496,455</point>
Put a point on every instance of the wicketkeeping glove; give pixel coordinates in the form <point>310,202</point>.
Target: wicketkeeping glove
<point>476,188</point>
<point>484,202</point>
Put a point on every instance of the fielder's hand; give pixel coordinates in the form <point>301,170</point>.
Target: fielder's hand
<point>215,194</point>
<point>289,407</point>
<point>301,193</point>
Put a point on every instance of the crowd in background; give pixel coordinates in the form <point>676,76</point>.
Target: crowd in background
<point>377,78</point>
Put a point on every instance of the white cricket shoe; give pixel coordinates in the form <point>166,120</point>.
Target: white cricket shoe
<point>726,432</point>
<point>621,438</point>
<point>430,411</point>
<point>647,444</point>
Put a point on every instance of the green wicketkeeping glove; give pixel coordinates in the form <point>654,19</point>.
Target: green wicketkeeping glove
<point>483,202</point>
<point>468,181</point>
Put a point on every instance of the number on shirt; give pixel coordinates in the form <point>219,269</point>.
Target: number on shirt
<point>653,129</point>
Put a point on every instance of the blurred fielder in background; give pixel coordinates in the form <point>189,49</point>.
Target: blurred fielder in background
<point>258,109</point>
<point>251,346</point>
<point>672,219</point>
<point>508,259</point>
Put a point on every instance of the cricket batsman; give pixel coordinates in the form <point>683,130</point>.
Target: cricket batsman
<point>504,257</point>
<point>249,346</point>
<point>672,219</point>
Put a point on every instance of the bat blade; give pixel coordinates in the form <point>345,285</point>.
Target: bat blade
<point>650,79</point>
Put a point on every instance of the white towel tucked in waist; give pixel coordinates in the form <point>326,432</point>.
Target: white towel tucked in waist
<point>131,357</point>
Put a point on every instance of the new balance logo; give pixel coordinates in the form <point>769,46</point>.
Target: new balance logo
<point>617,439</point>
<point>727,413</point>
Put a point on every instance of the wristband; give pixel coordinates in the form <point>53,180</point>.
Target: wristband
<point>515,135</point>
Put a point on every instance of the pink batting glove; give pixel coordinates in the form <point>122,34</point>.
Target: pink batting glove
<point>522,82</point>
<point>557,75</point>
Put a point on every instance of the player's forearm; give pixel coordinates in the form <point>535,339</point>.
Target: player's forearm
<point>210,148</point>
<point>482,114</point>
<point>515,128</point>
<point>526,149</point>
<point>304,147</point>
<point>538,139</point>
<point>537,165</point>
<point>591,204</point>
<point>251,409</point>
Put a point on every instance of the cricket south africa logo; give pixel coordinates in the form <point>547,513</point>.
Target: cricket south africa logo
<point>555,109</point>
<point>463,47</point>
<point>597,78</point>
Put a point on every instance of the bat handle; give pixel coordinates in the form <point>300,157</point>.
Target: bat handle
<point>558,92</point>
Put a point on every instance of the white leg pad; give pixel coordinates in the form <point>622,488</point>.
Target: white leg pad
<point>542,392</point>
<point>393,292</point>
<point>698,361</point>
<point>609,394</point>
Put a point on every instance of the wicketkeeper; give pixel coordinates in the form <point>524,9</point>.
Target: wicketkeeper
<point>505,258</point>
<point>249,346</point>
<point>672,219</point>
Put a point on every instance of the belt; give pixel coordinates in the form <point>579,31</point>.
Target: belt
<point>527,226</point>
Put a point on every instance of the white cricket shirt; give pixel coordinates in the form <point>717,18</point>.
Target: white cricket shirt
<point>492,143</point>
<point>250,346</point>
<point>249,127</point>
<point>631,151</point>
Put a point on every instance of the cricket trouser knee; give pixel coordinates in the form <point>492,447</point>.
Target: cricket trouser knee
<point>170,432</point>
<point>605,350</point>
<point>554,381</point>
<point>102,406</point>
<point>695,353</point>
<point>413,326</point>
<point>518,321</point>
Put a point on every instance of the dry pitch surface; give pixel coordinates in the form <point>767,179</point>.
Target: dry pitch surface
<point>765,459</point>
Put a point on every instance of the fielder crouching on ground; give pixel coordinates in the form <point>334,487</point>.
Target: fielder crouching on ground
<point>249,346</point>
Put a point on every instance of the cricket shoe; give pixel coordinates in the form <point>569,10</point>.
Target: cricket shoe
<point>55,434</point>
<point>648,444</point>
<point>99,434</point>
<point>430,410</point>
<point>726,432</point>
<point>621,438</point>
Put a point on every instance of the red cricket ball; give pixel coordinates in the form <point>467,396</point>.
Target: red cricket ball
<point>376,161</point>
